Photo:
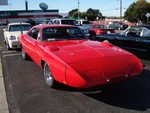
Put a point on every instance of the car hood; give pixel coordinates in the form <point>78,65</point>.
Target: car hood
<point>91,59</point>
<point>76,51</point>
<point>17,33</point>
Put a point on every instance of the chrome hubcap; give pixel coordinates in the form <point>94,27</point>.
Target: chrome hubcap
<point>48,75</point>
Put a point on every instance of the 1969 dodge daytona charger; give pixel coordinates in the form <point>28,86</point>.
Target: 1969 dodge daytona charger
<point>67,57</point>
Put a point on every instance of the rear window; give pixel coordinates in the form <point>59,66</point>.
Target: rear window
<point>68,22</point>
<point>86,22</point>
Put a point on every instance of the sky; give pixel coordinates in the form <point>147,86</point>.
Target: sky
<point>106,7</point>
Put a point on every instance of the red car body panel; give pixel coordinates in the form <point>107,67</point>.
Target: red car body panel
<point>83,63</point>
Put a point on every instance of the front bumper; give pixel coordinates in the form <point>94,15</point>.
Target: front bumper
<point>102,71</point>
<point>14,44</point>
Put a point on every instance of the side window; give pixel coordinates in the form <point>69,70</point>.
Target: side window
<point>57,22</point>
<point>134,32</point>
<point>54,22</point>
<point>145,32</point>
<point>34,33</point>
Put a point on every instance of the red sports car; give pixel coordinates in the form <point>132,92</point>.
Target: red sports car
<point>98,29</point>
<point>66,56</point>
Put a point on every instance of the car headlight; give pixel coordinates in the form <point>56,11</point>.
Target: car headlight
<point>12,38</point>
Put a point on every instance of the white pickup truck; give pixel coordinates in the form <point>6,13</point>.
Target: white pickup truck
<point>12,34</point>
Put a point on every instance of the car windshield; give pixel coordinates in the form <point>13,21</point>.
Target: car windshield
<point>61,33</point>
<point>19,27</point>
<point>69,22</point>
<point>86,22</point>
<point>99,26</point>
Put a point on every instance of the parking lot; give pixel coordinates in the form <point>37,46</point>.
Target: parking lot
<point>27,91</point>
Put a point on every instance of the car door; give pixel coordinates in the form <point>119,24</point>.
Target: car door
<point>32,44</point>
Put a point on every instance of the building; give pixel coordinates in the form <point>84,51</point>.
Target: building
<point>36,16</point>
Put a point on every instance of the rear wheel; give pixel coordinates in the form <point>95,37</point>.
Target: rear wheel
<point>50,81</point>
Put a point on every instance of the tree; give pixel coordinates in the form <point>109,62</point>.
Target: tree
<point>90,14</point>
<point>137,11</point>
<point>71,13</point>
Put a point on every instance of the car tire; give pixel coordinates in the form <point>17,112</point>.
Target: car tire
<point>93,37</point>
<point>4,41</point>
<point>8,47</point>
<point>50,81</point>
<point>24,55</point>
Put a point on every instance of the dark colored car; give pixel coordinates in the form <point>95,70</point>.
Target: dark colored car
<point>118,25</point>
<point>135,37</point>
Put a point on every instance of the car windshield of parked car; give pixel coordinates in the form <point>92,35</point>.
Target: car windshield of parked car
<point>145,32</point>
<point>61,33</point>
<point>69,22</point>
<point>135,31</point>
<point>100,26</point>
<point>19,27</point>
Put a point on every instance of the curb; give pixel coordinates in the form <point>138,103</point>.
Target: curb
<point>3,98</point>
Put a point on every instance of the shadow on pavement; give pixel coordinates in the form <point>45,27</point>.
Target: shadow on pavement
<point>133,94</point>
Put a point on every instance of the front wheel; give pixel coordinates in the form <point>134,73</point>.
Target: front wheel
<point>93,37</point>
<point>24,55</point>
<point>8,47</point>
<point>50,81</point>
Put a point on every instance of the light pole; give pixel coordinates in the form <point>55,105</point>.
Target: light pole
<point>78,8</point>
<point>120,10</point>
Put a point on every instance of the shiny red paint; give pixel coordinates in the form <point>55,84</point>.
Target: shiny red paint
<point>82,63</point>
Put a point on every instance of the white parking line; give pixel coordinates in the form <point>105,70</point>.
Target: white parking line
<point>5,52</point>
<point>18,54</point>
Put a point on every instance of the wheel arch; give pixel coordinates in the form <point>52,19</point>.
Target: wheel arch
<point>42,64</point>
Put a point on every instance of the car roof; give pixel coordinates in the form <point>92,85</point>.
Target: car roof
<point>53,25</point>
<point>146,26</point>
<point>63,19</point>
<point>18,23</point>
<point>82,20</point>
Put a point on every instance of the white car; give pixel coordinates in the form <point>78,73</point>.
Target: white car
<point>12,34</point>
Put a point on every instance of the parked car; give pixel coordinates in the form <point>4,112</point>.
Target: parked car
<point>135,37</point>
<point>61,21</point>
<point>69,21</point>
<point>46,22</point>
<point>85,31</point>
<point>98,29</point>
<point>12,34</point>
<point>118,26</point>
<point>83,22</point>
<point>68,57</point>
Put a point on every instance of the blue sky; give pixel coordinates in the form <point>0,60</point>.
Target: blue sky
<point>106,7</point>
